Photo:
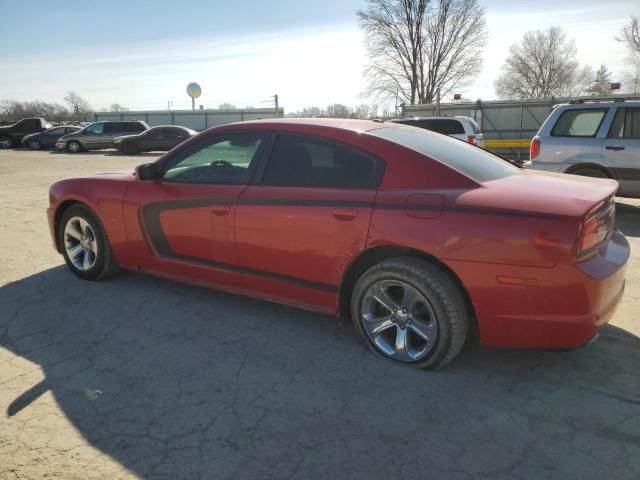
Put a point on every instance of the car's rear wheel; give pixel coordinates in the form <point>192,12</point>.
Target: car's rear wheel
<point>85,245</point>
<point>130,148</point>
<point>35,145</point>
<point>5,142</point>
<point>590,172</point>
<point>411,311</point>
<point>74,146</point>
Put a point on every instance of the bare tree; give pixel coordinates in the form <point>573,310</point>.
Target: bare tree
<point>542,65</point>
<point>79,106</point>
<point>417,48</point>
<point>116,107</point>
<point>338,110</point>
<point>12,110</point>
<point>631,38</point>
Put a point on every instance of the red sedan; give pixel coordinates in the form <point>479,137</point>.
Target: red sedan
<point>414,235</point>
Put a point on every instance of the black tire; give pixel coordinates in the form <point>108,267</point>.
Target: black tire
<point>130,148</point>
<point>105,265</point>
<point>74,146</point>
<point>35,145</point>
<point>590,172</point>
<point>6,141</point>
<point>447,303</point>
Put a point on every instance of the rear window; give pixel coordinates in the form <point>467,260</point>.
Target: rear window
<point>440,125</point>
<point>474,162</point>
<point>578,123</point>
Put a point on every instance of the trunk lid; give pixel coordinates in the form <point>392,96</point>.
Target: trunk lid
<point>542,192</point>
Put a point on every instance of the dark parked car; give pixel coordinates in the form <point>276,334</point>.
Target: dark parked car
<point>11,135</point>
<point>99,135</point>
<point>48,138</point>
<point>163,137</point>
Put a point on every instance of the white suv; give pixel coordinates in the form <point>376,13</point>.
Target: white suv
<point>463,128</point>
<point>594,139</point>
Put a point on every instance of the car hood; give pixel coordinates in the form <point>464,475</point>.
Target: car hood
<point>125,137</point>
<point>6,128</point>
<point>541,192</point>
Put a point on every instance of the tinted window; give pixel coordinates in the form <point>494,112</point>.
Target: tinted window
<point>626,123</point>
<point>298,160</point>
<point>71,129</point>
<point>444,126</point>
<point>224,159</point>
<point>57,131</point>
<point>472,161</point>
<point>95,128</point>
<point>133,127</point>
<point>112,127</point>
<point>578,123</point>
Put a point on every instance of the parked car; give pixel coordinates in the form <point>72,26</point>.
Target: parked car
<point>163,137</point>
<point>593,139</point>
<point>99,135</point>
<point>460,127</point>
<point>414,235</point>
<point>48,138</point>
<point>11,135</point>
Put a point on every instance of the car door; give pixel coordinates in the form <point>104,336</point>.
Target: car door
<point>92,135</point>
<point>182,222</point>
<point>305,218</point>
<point>173,136</point>
<point>48,138</point>
<point>621,149</point>
<point>111,131</point>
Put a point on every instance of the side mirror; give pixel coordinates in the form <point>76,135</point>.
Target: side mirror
<point>146,171</point>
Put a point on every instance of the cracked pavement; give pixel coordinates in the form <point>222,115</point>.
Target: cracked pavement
<point>140,377</point>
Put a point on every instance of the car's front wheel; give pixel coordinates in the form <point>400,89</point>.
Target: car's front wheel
<point>411,311</point>
<point>85,245</point>
<point>74,147</point>
<point>130,148</point>
<point>35,144</point>
<point>5,142</point>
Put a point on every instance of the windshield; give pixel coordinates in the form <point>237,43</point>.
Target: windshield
<point>476,163</point>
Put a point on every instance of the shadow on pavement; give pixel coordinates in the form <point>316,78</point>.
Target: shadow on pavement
<point>628,219</point>
<point>175,381</point>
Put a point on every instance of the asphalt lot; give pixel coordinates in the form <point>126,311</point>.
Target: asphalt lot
<point>142,377</point>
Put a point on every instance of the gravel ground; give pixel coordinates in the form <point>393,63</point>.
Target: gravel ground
<point>140,377</point>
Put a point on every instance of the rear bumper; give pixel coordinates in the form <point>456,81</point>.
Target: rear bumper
<point>563,310</point>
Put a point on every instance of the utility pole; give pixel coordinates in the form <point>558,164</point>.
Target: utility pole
<point>169,103</point>
<point>275,101</point>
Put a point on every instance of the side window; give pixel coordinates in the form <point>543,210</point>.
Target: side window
<point>578,123</point>
<point>444,126</point>
<point>57,131</point>
<point>225,159</point>
<point>626,123</point>
<point>134,127</point>
<point>112,127</point>
<point>96,128</point>
<point>303,161</point>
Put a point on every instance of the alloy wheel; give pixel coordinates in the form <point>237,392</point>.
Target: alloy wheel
<point>80,243</point>
<point>399,320</point>
<point>5,143</point>
<point>74,147</point>
<point>34,145</point>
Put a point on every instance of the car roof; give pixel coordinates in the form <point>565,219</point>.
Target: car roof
<point>598,104</point>
<point>445,117</point>
<point>353,125</point>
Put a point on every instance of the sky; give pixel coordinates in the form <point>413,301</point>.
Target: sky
<point>142,54</point>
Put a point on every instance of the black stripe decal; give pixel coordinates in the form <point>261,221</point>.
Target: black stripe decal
<point>149,218</point>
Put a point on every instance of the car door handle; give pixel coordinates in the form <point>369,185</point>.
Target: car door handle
<point>220,209</point>
<point>345,214</point>
<point>612,147</point>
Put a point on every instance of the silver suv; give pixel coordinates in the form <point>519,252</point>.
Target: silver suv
<point>594,139</point>
<point>463,128</point>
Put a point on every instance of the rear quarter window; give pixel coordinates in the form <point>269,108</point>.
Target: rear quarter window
<point>578,123</point>
<point>474,162</point>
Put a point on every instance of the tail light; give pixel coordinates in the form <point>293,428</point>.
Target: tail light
<point>597,228</point>
<point>471,139</point>
<point>534,149</point>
